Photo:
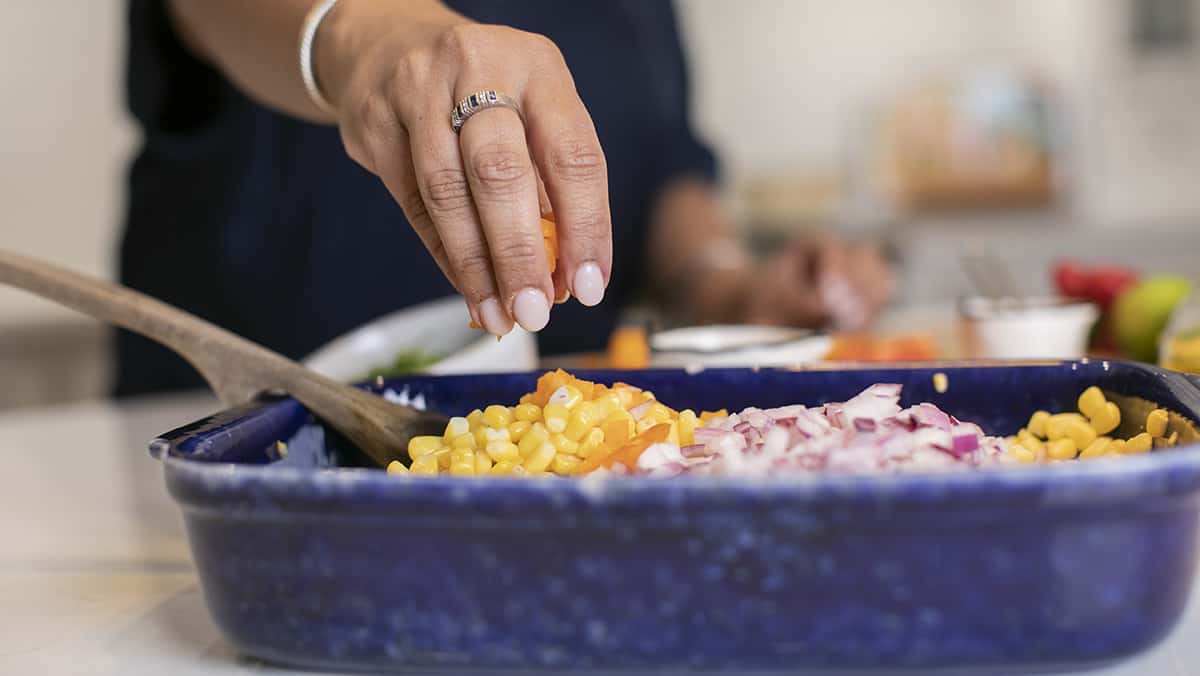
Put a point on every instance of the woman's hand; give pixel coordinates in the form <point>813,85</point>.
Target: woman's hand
<point>818,282</point>
<point>394,71</point>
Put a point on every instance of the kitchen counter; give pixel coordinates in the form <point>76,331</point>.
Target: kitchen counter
<point>95,573</point>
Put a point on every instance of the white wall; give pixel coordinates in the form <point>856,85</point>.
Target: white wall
<point>63,137</point>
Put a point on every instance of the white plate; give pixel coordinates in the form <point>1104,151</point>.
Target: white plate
<point>737,345</point>
<point>438,327</point>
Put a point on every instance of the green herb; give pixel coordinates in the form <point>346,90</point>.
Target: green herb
<point>405,363</point>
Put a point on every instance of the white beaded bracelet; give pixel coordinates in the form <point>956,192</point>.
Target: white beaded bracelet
<point>308,32</point>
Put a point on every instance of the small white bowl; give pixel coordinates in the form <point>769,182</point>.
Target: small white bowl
<point>1036,328</point>
<point>439,327</point>
<point>737,345</point>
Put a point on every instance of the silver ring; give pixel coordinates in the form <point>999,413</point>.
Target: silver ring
<point>476,102</point>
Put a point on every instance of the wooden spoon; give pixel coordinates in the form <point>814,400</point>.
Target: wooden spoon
<point>236,369</point>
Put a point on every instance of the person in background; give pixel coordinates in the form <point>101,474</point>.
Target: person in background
<point>293,194</point>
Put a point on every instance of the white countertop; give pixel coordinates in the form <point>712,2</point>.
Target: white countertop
<point>95,573</point>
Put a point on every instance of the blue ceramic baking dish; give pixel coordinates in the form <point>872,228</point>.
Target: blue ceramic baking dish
<point>1051,567</point>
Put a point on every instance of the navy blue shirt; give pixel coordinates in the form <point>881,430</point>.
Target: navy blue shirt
<point>260,222</point>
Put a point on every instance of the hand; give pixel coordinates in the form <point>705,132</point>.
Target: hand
<point>818,282</point>
<point>394,71</point>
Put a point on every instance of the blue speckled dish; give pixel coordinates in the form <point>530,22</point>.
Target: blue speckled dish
<point>1054,567</point>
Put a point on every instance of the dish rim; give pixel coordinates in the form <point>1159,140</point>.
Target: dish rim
<point>1175,472</point>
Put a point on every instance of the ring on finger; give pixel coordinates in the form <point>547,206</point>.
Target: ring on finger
<point>480,100</point>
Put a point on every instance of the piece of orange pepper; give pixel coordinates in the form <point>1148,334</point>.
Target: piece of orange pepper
<point>629,453</point>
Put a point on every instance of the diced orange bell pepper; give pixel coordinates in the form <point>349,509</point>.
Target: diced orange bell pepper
<point>550,241</point>
<point>629,453</point>
<point>705,416</point>
<point>628,348</point>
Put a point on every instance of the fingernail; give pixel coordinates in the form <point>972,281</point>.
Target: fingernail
<point>589,284</point>
<point>531,309</point>
<point>474,314</point>
<point>493,318</point>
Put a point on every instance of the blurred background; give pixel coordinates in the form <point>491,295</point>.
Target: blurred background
<point>1044,128</point>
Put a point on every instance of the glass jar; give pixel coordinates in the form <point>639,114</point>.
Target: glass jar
<point>1179,348</point>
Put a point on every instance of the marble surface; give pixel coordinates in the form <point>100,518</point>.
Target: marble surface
<point>95,573</point>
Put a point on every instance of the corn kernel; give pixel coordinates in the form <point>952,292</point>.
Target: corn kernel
<point>527,413</point>
<point>1082,433</point>
<point>1099,448</point>
<point>396,467</point>
<point>1061,449</point>
<point>659,413</point>
<point>463,468</point>
<point>608,403</point>
<point>480,434</point>
<point>518,429</point>
<point>565,396</point>
<point>465,441</point>
<point>585,416</point>
<point>1173,439</point>
<point>426,465</point>
<point>593,441</point>
<point>555,416</point>
<point>1091,402</point>
<point>1156,423</point>
<point>518,470</point>
<point>475,418</point>
<point>504,468</point>
<point>1056,425</point>
<point>564,445</point>
<point>626,395</point>
<point>1037,424</point>
<point>491,434</point>
<point>422,446</point>
<point>1108,419</point>
<point>687,427</point>
<point>1118,446</point>
<point>564,464</point>
<point>540,458</point>
<point>1141,443</point>
<point>496,416</point>
<point>500,451</point>
<point>1021,453</point>
<point>457,427</point>
<point>442,456</point>
<point>534,438</point>
<point>941,383</point>
<point>1032,443</point>
<point>483,463</point>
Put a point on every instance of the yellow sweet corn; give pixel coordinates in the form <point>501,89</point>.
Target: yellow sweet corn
<point>540,458</point>
<point>1037,424</point>
<point>497,417</point>
<point>1021,453</point>
<point>1156,423</point>
<point>1056,425</point>
<point>1091,402</point>
<point>591,443</point>
<point>504,468</point>
<point>533,439</point>
<point>527,412</point>
<point>1079,432</point>
<point>566,396</point>
<point>1061,449</point>
<point>1031,443</point>
<point>1141,443</point>
<point>687,427</point>
<point>422,446</point>
<point>483,463</point>
<point>564,464</point>
<point>396,467</point>
<point>556,416</point>
<point>1099,448</point>
<point>518,429</point>
<point>424,465</point>
<point>1108,419</point>
<point>501,451</point>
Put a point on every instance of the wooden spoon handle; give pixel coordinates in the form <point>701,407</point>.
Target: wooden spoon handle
<point>236,368</point>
